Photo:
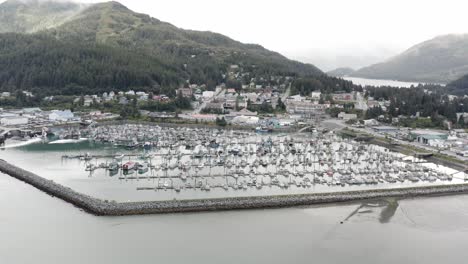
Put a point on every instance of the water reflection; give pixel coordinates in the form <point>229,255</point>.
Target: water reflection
<point>388,208</point>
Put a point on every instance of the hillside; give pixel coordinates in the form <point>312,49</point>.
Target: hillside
<point>29,16</point>
<point>341,72</point>
<point>439,60</point>
<point>66,30</point>
<point>112,23</point>
<point>47,66</point>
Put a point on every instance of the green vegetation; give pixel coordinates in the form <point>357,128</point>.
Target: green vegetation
<point>458,87</point>
<point>428,102</point>
<point>45,66</point>
<point>439,60</point>
<point>341,72</point>
<point>421,122</point>
<point>32,16</point>
<point>323,83</point>
<point>221,122</point>
<point>108,47</point>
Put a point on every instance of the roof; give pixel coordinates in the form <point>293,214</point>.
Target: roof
<point>428,133</point>
<point>385,128</point>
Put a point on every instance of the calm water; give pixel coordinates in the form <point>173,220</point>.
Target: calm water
<point>46,161</point>
<point>36,228</point>
<point>375,82</point>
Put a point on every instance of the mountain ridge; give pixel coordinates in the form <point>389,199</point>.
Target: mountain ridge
<point>198,57</point>
<point>30,16</point>
<point>438,60</point>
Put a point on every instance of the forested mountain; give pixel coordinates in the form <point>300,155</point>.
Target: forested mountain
<point>440,60</point>
<point>107,46</point>
<point>341,72</point>
<point>29,16</point>
<point>113,24</point>
<point>40,62</point>
<point>458,87</point>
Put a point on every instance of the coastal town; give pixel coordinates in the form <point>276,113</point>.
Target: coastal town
<point>261,108</point>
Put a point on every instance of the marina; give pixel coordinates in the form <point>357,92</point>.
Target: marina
<point>139,163</point>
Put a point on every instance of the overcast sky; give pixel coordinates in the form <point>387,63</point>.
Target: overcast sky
<point>328,33</point>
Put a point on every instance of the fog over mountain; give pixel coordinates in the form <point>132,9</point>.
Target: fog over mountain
<point>330,34</point>
<point>60,47</point>
<point>439,60</point>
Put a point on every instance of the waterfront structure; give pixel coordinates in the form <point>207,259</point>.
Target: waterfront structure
<point>14,120</point>
<point>427,136</point>
<point>61,115</point>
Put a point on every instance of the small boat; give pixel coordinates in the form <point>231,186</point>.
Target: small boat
<point>143,168</point>
<point>90,167</point>
<point>129,165</point>
<point>113,166</point>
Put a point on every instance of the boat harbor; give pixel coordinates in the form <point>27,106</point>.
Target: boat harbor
<point>188,159</point>
<point>138,163</point>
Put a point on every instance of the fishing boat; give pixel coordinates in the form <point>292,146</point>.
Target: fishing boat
<point>143,168</point>
<point>113,166</point>
<point>129,166</point>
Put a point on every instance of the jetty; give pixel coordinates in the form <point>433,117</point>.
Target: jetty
<point>108,208</point>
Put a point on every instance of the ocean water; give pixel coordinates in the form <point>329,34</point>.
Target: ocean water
<point>46,160</point>
<point>37,228</point>
<point>376,82</point>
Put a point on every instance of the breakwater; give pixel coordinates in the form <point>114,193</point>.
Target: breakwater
<point>103,207</point>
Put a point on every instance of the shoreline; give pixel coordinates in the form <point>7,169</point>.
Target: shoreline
<point>105,208</point>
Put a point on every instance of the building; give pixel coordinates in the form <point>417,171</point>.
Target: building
<point>343,97</point>
<point>58,115</point>
<point>14,120</point>
<point>427,136</point>
<point>286,122</point>
<point>316,95</point>
<point>306,107</point>
<point>185,92</point>
<point>296,98</point>
<point>231,91</point>
<point>208,95</point>
<point>245,120</point>
<point>200,117</point>
<point>345,116</point>
<point>32,110</point>
<point>215,106</point>
<point>243,112</point>
<point>386,129</point>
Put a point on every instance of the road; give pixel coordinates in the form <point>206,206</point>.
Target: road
<point>286,94</point>
<point>204,102</point>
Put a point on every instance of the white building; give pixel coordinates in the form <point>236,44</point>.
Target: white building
<point>58,115</point>
<point>345,116</point>
<point>245,120</point>
<point>316,95</point>
<point>296,98</point>
<point>208,94</point>
<point>14,120</point>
